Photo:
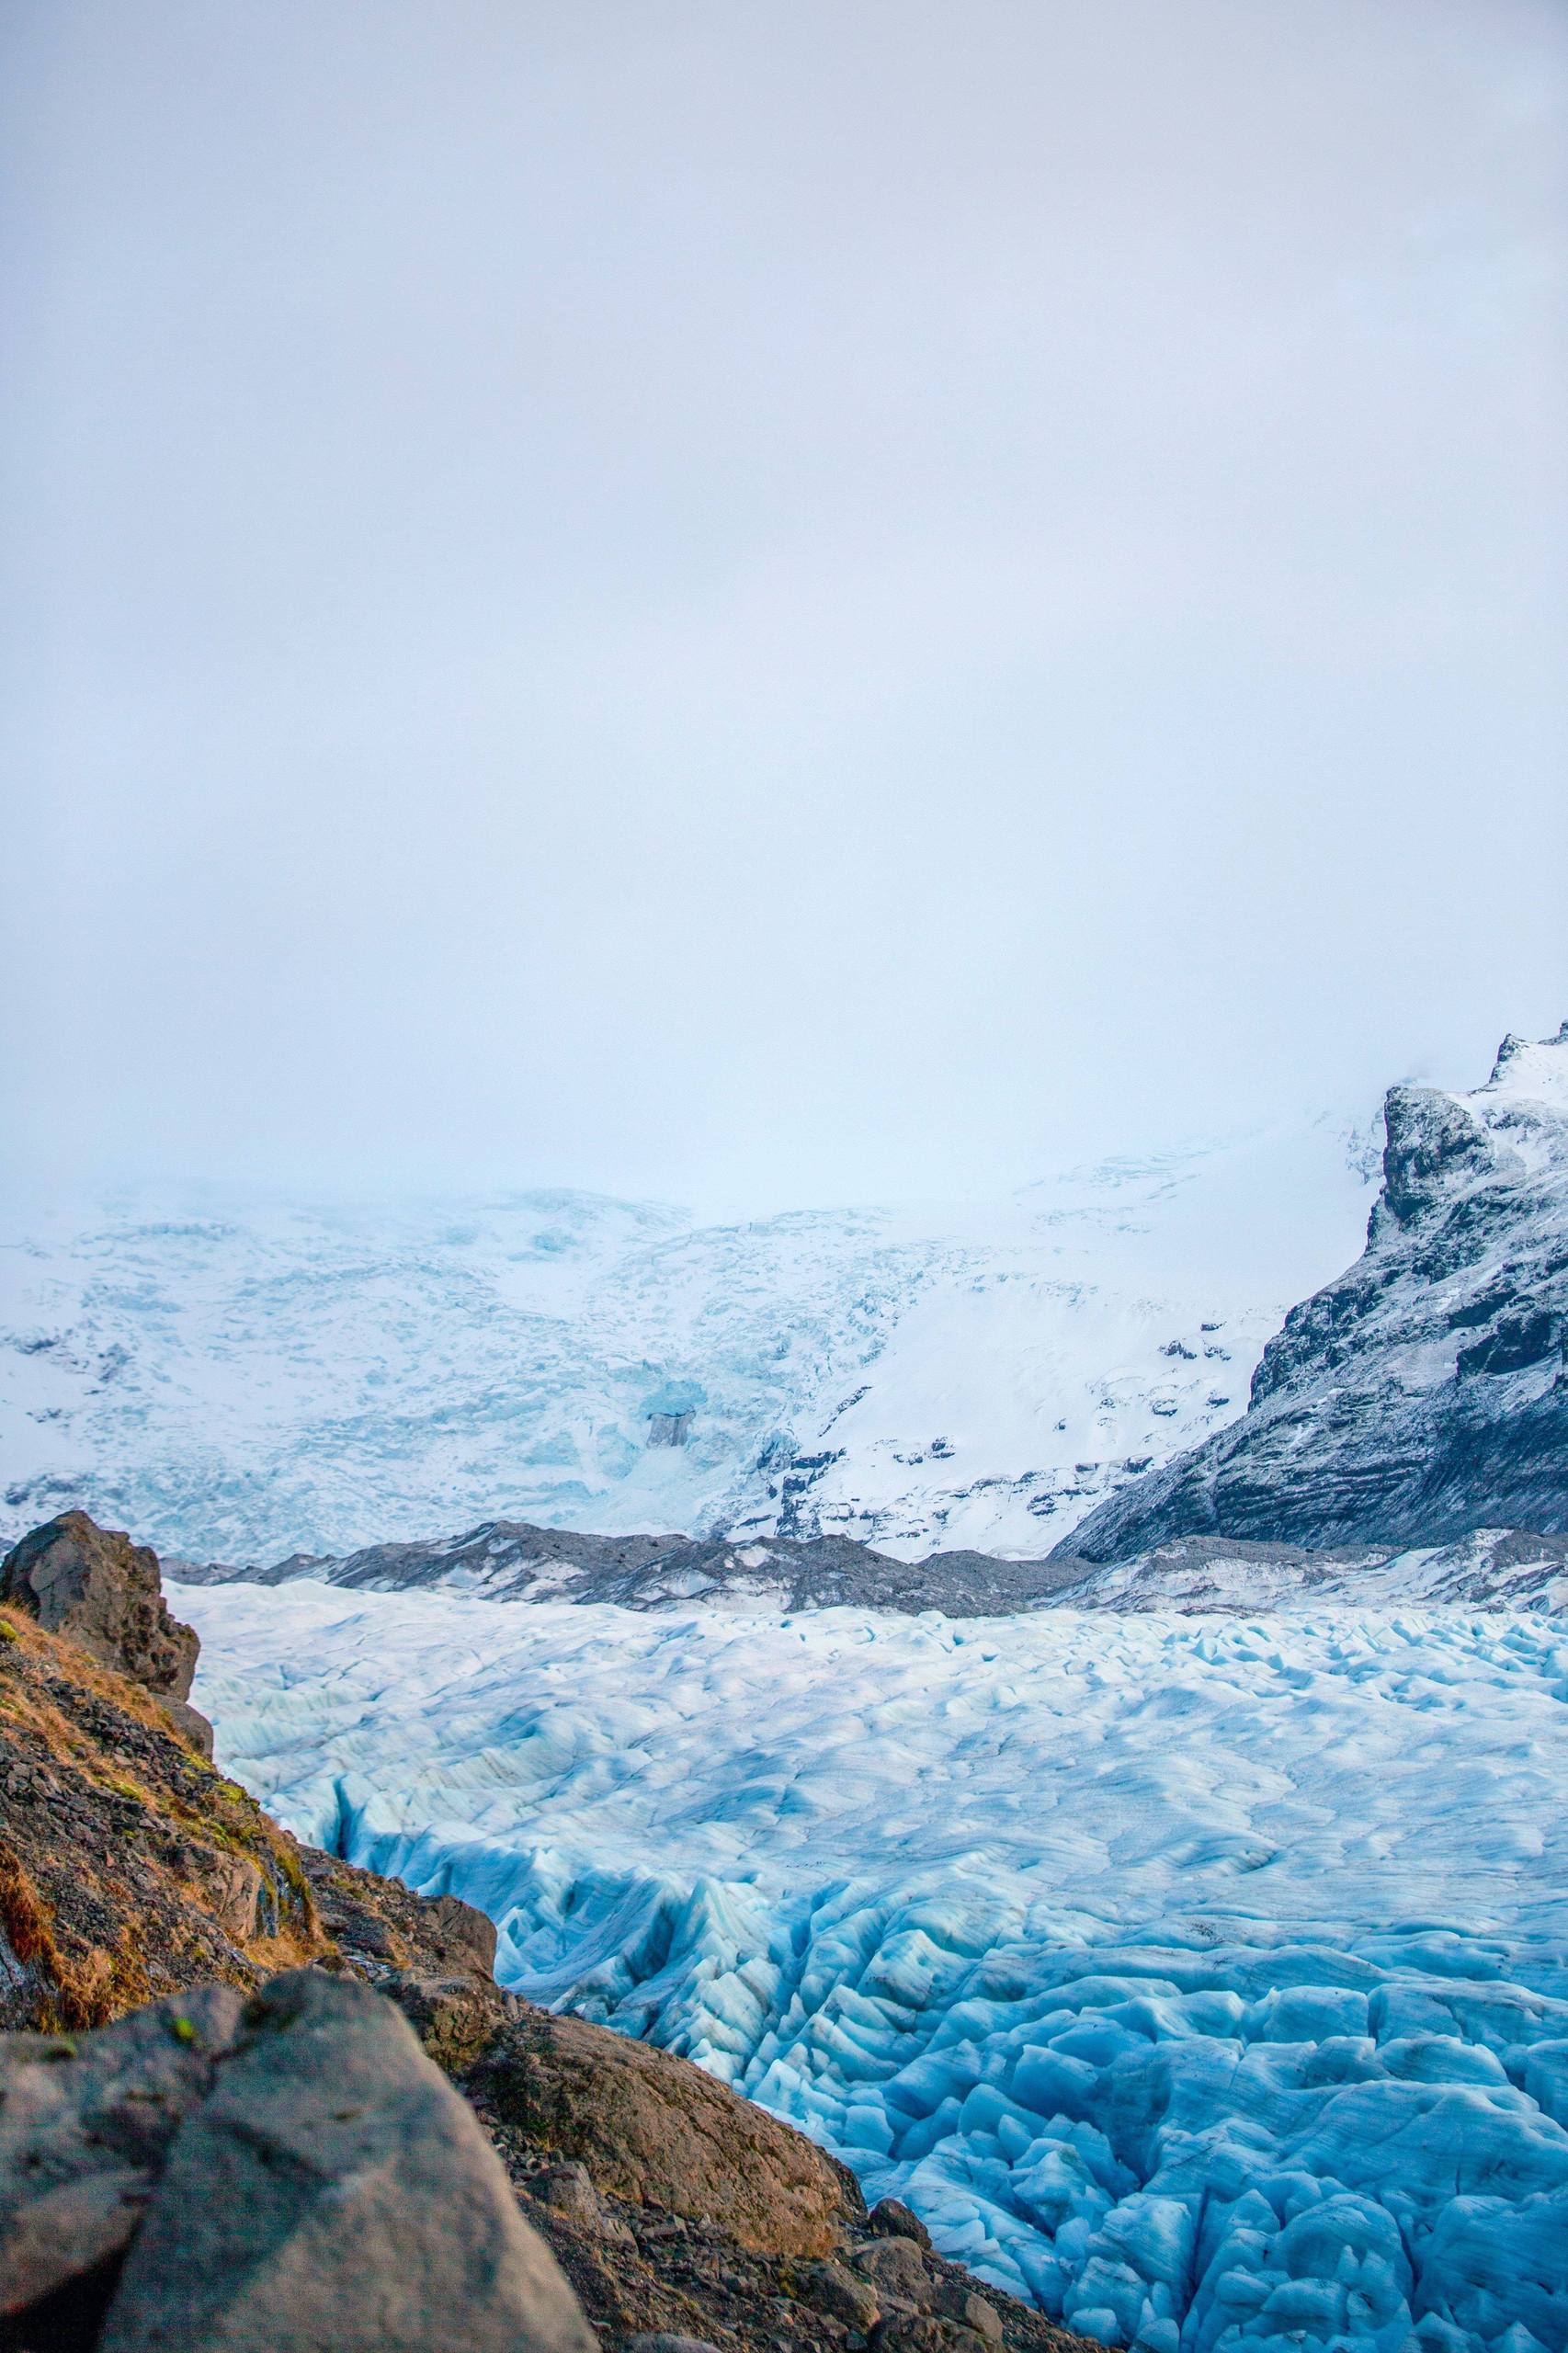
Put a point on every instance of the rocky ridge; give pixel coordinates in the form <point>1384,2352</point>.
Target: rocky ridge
<point>512,1561</point>
<point>193,1997</point>
<point>1424,1395</point>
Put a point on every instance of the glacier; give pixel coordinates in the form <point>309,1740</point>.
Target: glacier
<point>241,1377</point>
<point>1203,1979</point>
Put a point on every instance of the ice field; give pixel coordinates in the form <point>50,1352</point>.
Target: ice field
<point>1204,1979</point>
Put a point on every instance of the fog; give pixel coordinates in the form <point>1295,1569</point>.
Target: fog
<point>772,605</point>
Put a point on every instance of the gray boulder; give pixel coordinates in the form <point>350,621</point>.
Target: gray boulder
<point>896,2267</point>
<point>332,2192</point>
<point>86,2126</point>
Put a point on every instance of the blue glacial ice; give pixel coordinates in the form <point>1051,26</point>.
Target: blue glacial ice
<point>1205,1981</point>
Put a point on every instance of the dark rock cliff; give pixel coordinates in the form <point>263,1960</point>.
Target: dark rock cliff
<point>1423,1394</point>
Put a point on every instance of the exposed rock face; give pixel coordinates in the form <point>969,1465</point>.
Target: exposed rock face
<point>1494,1567</point>
<point>648,2125</point>
<point>104,1592</point>
<point>1424,1395</point>
<point>291,2172</point>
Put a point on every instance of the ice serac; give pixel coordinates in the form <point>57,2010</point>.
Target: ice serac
<point>1421,1395</point>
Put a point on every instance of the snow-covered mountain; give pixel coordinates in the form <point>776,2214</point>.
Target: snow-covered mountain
<point>1424,1393</point>
<point>244,1379</point>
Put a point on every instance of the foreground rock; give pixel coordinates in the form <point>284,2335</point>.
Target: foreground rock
<point>292,2173</point>
<point>1425,1393</point>
<point>360,2203</point>
<point>86,2129</point>
<point>650,2127</point>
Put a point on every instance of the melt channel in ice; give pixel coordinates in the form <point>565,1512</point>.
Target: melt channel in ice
<point>1204,1980</point>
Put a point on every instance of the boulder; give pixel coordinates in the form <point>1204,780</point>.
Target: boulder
<point>333,2190</point>
<point>568,2192</point>
<point>654,2128</point>
<point>895,2268</point>
<point>468,1934</point>
<point>889,2218</point>
<point>454,2017</point>
<point>104,1593</point>
<point>86,2126</point>
<point>188,1723</point>
<point>833,2289</point>
<point>955,2300</point>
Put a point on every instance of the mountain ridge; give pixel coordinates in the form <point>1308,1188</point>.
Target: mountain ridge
<point>511,1562</point>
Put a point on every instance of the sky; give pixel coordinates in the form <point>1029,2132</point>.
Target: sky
<point>772,605</point>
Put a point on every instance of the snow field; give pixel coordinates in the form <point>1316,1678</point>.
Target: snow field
<point>1205,1979</point>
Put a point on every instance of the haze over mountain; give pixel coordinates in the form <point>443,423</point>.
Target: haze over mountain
<point>242,1379</point>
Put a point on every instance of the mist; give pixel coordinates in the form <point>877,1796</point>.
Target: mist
<point>773,606</point>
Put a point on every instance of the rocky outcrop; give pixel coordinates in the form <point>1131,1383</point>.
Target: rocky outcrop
<point>104,1592</point>
<point>129,1868</point>
<point>649,2126</point>
<point>268,2176</point>
<point>1424,1395</point>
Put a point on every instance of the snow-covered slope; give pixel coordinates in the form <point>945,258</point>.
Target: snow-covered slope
<point>1424,1393</point>
<point>244,1379</point>
<point>1206,1980</point>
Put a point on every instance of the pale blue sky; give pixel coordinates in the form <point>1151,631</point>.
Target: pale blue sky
<point>773,602</point>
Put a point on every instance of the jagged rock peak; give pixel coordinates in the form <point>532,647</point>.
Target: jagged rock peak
<point>1514,1046</point>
